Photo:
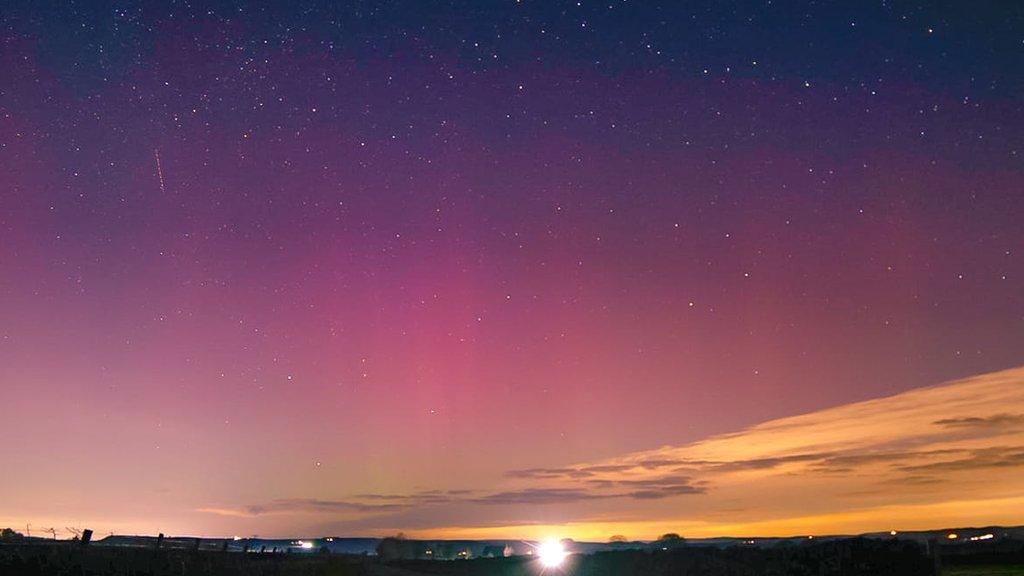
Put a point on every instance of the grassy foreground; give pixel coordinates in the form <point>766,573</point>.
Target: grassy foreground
<point>1001,570</point>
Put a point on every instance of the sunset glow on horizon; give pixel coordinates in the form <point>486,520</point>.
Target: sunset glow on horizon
<point>946,455</point>
<point>517,270</point>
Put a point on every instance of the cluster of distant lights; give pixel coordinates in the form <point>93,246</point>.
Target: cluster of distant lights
<point>551,553</point>
<point>954,536</point>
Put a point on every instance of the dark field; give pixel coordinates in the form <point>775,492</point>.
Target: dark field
<point>985,570</point>
<point>857,557</point>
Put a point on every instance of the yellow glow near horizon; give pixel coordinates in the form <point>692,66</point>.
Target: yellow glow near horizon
<point>910,517</point>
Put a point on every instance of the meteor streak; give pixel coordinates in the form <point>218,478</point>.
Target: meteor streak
<point>159,169</point>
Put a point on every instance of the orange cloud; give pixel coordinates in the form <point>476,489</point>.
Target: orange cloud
<point>944,455</point>
<point>947,454</point>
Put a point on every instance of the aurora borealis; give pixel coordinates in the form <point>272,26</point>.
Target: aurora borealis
<point>474,268</point>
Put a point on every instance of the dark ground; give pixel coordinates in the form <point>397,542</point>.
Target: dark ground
<point>856,557</point>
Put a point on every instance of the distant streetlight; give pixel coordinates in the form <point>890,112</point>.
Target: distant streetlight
<point>552,553</point>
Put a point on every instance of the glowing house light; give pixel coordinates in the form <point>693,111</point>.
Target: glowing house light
<point>551,553</point>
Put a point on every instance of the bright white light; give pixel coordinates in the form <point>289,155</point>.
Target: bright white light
<point>305,545</point>
<point>551,553</point>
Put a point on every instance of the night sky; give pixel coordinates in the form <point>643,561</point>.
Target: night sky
<point>441,267</point>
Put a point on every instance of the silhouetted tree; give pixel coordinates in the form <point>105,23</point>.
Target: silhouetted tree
<point>397,547</point>
<point>10,534</point>
<point>671,540</point>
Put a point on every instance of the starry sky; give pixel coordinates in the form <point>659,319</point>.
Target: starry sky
<point>509,268</point>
